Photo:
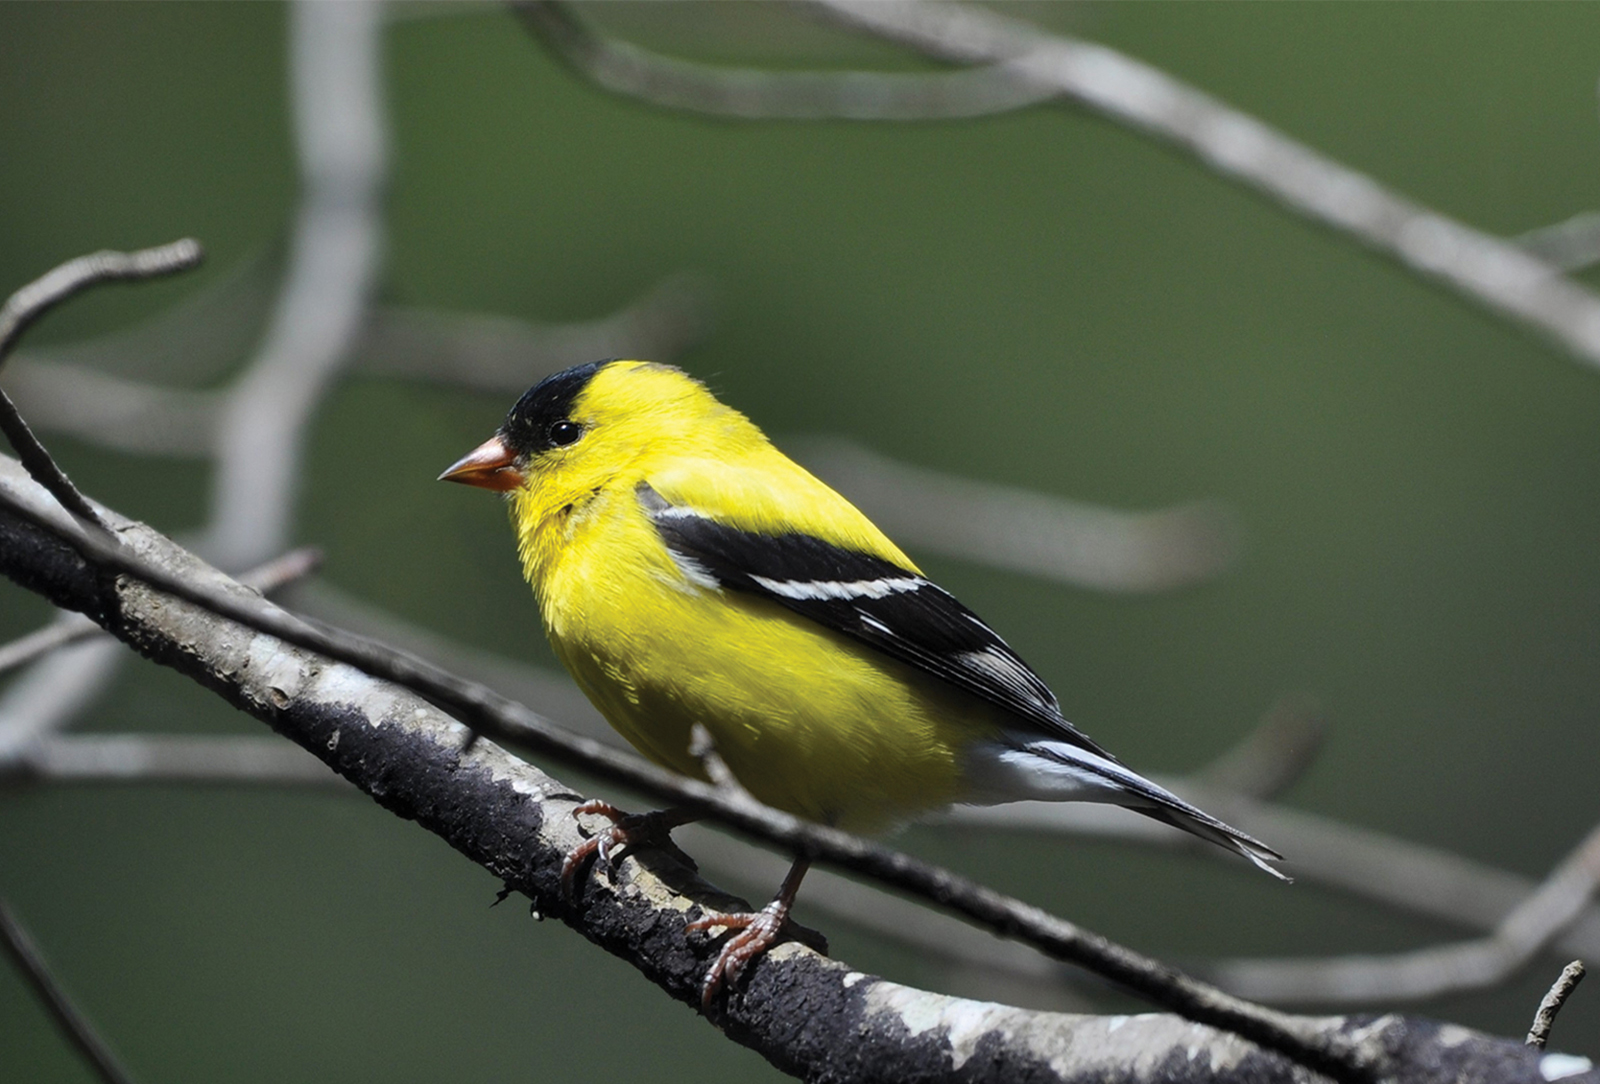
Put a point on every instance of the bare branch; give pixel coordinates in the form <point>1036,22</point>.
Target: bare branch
<point>114,412</point>
<point>73,1024</point>
<point>165,758</point>
<point>1068,541</point>
<point>1493,273</point>
<point>179,574</point>
<point>1430,972</point>
<point>757,94</point>
<point>1567,246</point>
<point>516,822</point>
<point>73,277</point>
<point>1554,999</point>
<point>39,297</point>
<point>334,256</point>
<point>69,628</point>
<point>196,340</point>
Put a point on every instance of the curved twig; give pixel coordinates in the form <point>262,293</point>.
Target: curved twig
<point>758,94</point>
<point>45,293</point>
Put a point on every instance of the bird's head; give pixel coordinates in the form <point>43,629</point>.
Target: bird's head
<point>576,430</point>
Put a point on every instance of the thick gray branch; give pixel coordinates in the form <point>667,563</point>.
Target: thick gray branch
<point>512,819</point>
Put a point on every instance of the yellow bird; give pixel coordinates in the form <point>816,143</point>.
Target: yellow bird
<point>689,572</point>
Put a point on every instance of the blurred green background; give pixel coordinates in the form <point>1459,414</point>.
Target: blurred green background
<point>1043,300</point>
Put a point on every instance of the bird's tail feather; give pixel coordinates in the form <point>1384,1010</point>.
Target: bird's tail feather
<point>1119,785</point>
<point>1199,823</point>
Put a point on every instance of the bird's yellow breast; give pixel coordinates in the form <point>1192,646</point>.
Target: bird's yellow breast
<point>808,720</point>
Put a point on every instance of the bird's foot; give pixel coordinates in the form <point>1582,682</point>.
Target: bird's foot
<point>759,932</point>
<point>627,832</point>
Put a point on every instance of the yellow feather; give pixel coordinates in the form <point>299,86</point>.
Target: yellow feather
<point>808,720</point>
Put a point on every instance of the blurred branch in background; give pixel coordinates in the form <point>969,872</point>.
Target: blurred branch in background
<point>341,139</point>
<point>1046,536</point>
<point>1022,65</point>
<point>1481,268</point>
<point>1572,245</point>
<point>762,94</point>
<point>72,1023</point>
<point>337,104</point>
<point>1415,976</point>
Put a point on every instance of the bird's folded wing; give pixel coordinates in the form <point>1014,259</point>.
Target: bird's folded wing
<point>889,608</point>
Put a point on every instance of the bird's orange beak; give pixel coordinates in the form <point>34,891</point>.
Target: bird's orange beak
<point>491,465</point>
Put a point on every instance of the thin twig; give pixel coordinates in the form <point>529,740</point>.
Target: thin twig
<point>73,1024</point>
<point>759,94</point>
<point>73,277</point>
<point>1367,865</point>
<point>1554,999</point>
<point>45,293</point>
<point>514,821</point>
<point>66,628</point>
<point>1491,272</point>
<point>484,710</point>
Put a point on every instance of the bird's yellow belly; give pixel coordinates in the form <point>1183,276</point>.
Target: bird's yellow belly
<point>808,720</point>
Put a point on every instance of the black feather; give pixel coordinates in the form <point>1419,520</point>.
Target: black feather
<point>526,430</point>
<point>911,619</point>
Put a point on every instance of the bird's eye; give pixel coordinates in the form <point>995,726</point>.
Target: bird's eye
<point>565,433</point>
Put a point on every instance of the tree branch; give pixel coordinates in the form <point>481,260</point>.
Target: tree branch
<point>1493,273</point>
<point>72,1023</point>
<point>1430,972</point>
<point>39,297</point>
<point>514,821</point>
<point>758,94</point>
<point>1545,1018</point>
<point>179,574</point>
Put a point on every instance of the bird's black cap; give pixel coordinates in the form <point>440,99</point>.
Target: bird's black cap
<point>526,430</point>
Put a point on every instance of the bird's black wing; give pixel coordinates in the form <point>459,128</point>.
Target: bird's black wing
<point>867,598</point>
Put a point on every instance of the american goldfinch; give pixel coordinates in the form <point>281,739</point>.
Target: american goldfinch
<point>687,572</point>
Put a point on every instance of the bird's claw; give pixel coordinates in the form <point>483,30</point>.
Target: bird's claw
<point>609,845</point>
<point>758,932</point>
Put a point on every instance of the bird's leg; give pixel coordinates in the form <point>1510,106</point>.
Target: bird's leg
<point>758,932</point>
<point>628,831</point>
